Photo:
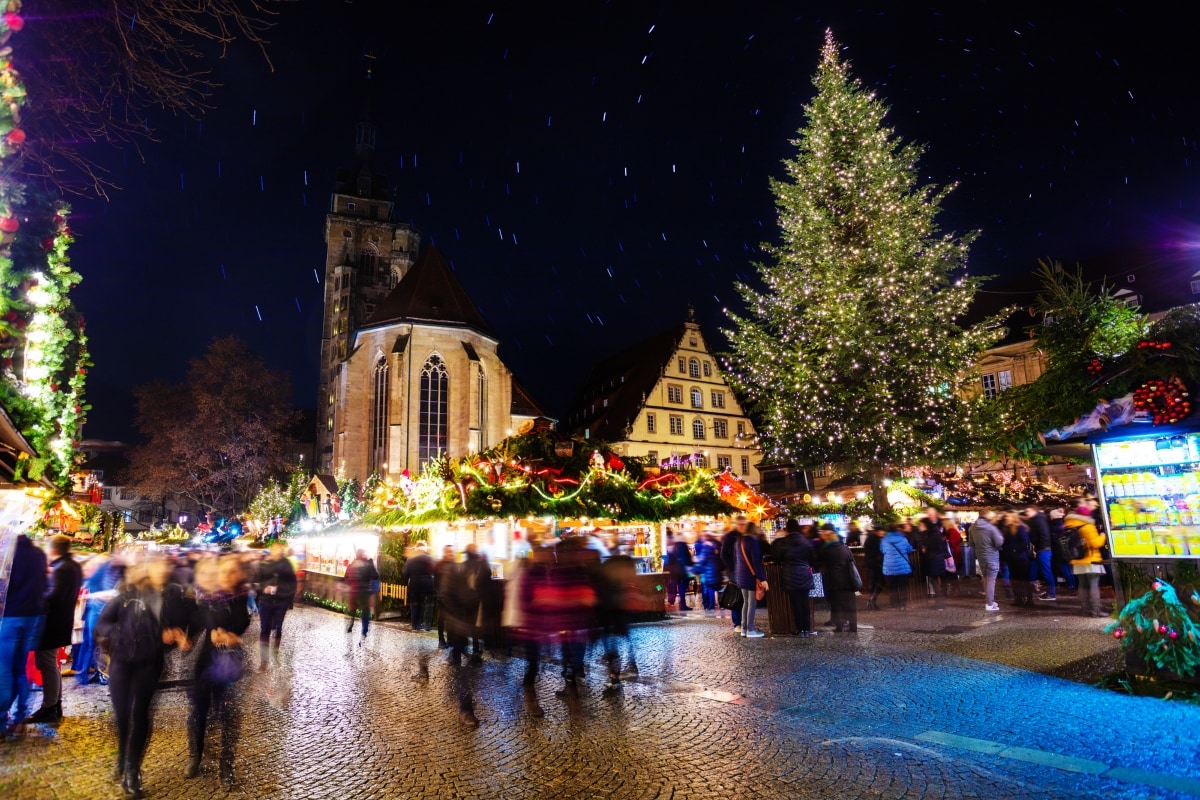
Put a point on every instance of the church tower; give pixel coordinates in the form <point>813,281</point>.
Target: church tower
<point>366,255</point>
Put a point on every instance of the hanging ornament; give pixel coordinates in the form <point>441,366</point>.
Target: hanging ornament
<point>1162,401</point>
<point>1119,633</point>
<point>1095,367</point>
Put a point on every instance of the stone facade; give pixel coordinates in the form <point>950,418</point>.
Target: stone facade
<point>478,412</point>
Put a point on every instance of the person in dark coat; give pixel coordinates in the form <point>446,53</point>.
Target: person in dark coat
<point>360,575</point>
<point>135,665</point>
<point>66,578</point>
<point>679,567</point>
<point>728,555</point>
<point>1043,547</point>
<point>932,545</point>
<point>276,595</point>
<point>21,626</point>
<point>749,575</point>
<point>615,585</point>
<point>1014,552</point>
<point>221,616</point>
<point>478,574</point>
<point>795,555</point>
<point>441,574</point>
<point>708,570</point>
<point>419,574</point>
<point>836,562</point>
<point>873,562</point>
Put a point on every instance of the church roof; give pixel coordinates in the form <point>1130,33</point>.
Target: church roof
<point>624,381</point>
<point>523,405</point>
<point>430,293</point>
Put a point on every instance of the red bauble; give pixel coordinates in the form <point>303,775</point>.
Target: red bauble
<point>15,137</point>
<point>14,21</point>
<point>1119,633</point>
<point>9,224</point>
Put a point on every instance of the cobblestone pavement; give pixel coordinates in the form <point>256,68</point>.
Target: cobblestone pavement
<point>923,704</point>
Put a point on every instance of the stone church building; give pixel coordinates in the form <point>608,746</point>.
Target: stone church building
<point>409,367</point>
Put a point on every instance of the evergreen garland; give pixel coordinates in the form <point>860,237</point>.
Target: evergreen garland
<point>1160,628</point>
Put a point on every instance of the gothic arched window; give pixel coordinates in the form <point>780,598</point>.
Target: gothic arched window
<point>379,417</point>
<point>434,422</point>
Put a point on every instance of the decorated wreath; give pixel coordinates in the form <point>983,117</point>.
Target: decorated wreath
<point>1163,400</point>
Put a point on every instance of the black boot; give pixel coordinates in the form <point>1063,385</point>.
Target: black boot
<point>193,767</point>
<point>132,784</point>
<point>47,714</point>
<point>118,773</point>
<point>226,775</point>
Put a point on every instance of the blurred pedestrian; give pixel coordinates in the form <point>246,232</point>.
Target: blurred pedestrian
<point>795,555</point>
<point>135,629</point>
<point>478,575</point>
<point>615,585</point>
<point>729,552</point>
<point>679,567</point>
<point>1015,551</point>
<point>441,572</point>
<point>221,617</point>
<point>419,574</point>
<point>276,596</point>
<point>21,628</point>
<point>66,578</point>
<point>987,540</point>
<point>1088,568</point>
<point>360,578</point>
<point>931,541</point>
<point>1043,548</point>
<point>708,570</point>
<point>896,565</point>
<point>873,563</point>
<point>750,577</point>
<point>458,605</point>
<point>837,573</point>
<point>1061,561</point>
<point>101,576</point>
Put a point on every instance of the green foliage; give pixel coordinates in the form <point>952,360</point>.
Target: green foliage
<point>853,353</point>
<point>332,605</point>
<point>1161,629</point>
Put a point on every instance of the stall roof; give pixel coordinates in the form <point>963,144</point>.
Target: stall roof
<point>1135,430</point>
<point>12,446</point>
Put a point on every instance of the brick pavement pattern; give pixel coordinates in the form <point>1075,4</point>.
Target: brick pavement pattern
<point>914,707</point>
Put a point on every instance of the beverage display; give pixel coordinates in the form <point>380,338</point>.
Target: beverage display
<point>1151,494</point>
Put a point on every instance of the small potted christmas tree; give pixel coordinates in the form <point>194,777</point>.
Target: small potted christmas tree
<point>1158,633</point>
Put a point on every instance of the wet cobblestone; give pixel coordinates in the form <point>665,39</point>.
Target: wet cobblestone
<point>711,716</point>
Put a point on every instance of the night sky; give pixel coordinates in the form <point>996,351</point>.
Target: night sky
<point>590,169</point>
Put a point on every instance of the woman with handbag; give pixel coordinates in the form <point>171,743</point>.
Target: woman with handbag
<point>897,568</point>
<point>221,617</point>
<point>841,580</point>
<point>1015,554</point>
<point>750,577</point>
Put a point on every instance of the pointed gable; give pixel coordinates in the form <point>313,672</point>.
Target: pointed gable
<point>430,293</point>
<point>616,389</point>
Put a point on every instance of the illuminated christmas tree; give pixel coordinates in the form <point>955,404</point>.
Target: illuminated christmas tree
<point>853,352</point>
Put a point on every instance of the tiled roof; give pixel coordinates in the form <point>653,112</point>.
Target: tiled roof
<point>523,404</point>
<point>624,381</point>
<point>430,293</point>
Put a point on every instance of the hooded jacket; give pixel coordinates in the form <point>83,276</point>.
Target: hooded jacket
<point>987,541</point>
<point>1093,539</point>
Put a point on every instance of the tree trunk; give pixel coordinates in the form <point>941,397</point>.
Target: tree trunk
<point>879,494</point>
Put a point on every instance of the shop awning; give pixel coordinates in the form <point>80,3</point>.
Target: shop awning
<point>12,447</point>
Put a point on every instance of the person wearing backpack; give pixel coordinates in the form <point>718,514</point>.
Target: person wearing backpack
<point>360,578</point>
<point>1083,544</point>
<point>136,628</point>
<point>896,566</point>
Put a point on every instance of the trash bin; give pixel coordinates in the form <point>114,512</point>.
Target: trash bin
<point>779,609</point>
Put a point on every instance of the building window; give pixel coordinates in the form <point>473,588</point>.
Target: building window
<point>329,423</point>
<point>1004,379</point>
<point>707,369</point>
<point>379,417</point>
<point>350,206</point>
<point>676,425</point>
<point>718,399</point>
<point>720,429</point>
<point>697,398</point>
<point>481,410</point>
<point>682,366</point>
<point>674,394</point>
<point>650,423</point>
<point>821,471</point>
<point>106,493</point>
<point>701,460</point>
<point>434,422</point>
<point>745,465</point>
<point>724,463</point>
<point>652,456</point>
<point>741,428</point>
<point>989,386</point>
<point>1195,287</point>
<point>694,368</point>
<point>127,514</point>
<point>698,429</point>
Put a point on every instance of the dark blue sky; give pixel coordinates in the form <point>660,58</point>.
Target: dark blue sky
<point>592,168</point>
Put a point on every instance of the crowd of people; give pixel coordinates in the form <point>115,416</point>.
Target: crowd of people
<point>562,598</point>
<point>137,607</point>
